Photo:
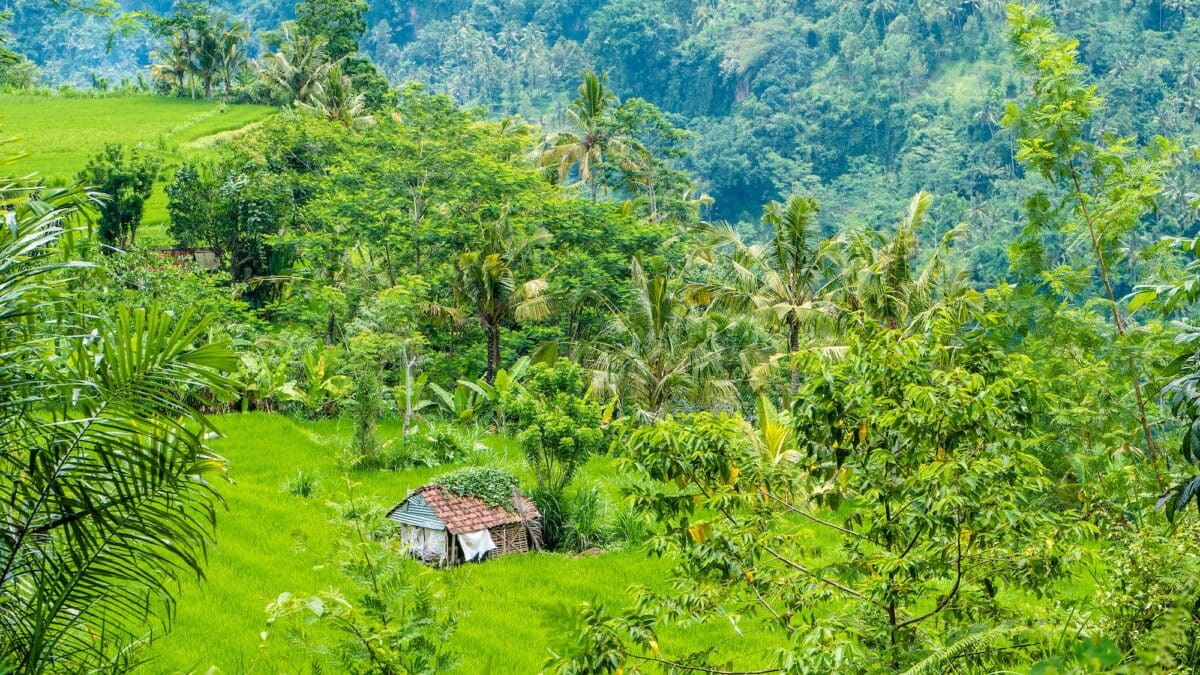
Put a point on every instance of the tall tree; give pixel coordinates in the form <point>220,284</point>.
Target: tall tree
<point>340,22</point>
<point>881,282</point>
<point>658,352</point>
<point>299,65</point>
<point>1111,185</point>
<point>487,288</point>
<point>232,58</point>
<point>589,136</point>
<point>172,63</point>
<point>338,102</point>
<point>782,281</point>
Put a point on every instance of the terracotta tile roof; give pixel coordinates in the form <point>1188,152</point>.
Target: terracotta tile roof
<point>469,514</point>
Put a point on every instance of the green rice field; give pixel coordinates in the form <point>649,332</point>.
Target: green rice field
<point>513,610</point>
<point>57,135</point>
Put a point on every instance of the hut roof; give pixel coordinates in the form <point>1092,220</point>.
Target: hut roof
<point>458,514</point>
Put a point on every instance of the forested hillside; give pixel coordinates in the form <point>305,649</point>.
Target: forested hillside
<point>598,338</point>
<point>858,103</point>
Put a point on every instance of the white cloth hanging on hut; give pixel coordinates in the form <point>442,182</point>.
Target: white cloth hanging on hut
<point>476,544</point>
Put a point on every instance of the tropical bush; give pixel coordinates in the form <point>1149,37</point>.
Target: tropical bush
<point>107,477</point>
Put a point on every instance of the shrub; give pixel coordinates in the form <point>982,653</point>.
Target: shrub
<point>304,484</point>
<point>627,527</point>
<point>1149,574</point>
<point>584,525</point>
<point>552,505</point>
<point>430,446</point>
<point>560,425</point>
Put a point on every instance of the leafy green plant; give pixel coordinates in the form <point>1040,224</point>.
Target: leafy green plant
<point>585,522</point>
<point>321,389</point>
<point>627,526</point>
<point>461,405</point>
<point>493,395</point>
<point>264,382</point>
<point>366,399</point>
<point>1112,185</point>
<point>560,424</point>
<point>105,469</point>
<point>493,485</point>
<point>126,180</point>
<point>303,484</point>
<point>431,445</point>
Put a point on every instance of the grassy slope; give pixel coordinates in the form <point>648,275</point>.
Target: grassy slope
<point>269,542</point>
<point>59,135</point>
<point>514,609</point>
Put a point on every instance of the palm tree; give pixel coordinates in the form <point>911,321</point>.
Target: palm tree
<point>173,64</point>
<point>104,470</point>
<point>659,352</point>
<point>208,55</point>
<point>232,54</point>
<point>487,289</point>
<point>783,281</point>
<point>299,67</point>
<point>337,101</point>
<point>582,147</point>
<point>879,282</point>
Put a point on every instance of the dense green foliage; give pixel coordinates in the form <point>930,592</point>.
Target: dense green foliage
<point>844,99</point>
<point>105,469</point>
<point>928,404</point>
<point>126,181</point>
<point>558,427</point>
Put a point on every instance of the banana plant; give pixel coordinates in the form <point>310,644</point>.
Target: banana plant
<point>262,382</point>
<point>322,389</point>
<point>462,404</point>
<point>494,394</point>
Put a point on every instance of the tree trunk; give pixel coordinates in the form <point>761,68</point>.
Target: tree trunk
<point>408,403</point>
<point>330,325</point>
<point>493,338</point>
<point>793,347</point>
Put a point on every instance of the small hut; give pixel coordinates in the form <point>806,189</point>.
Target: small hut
<point>442,528</point>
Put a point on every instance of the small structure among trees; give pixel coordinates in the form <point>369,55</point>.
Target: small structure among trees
<point>441,527</point>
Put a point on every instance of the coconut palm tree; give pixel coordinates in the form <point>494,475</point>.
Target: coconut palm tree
<point>337,101</point>
<point>299,67</point>
<point>208,55</point>
<point>660,352</point>
<point>232,51</point>
<point>104,471</point>
<point>880,283</point>
<point>486,286</point>
<point>783,282</point>
<point>173,64</point>
<point>583,145</point>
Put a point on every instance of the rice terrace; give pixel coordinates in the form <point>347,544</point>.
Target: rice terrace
<point>724,337</point>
